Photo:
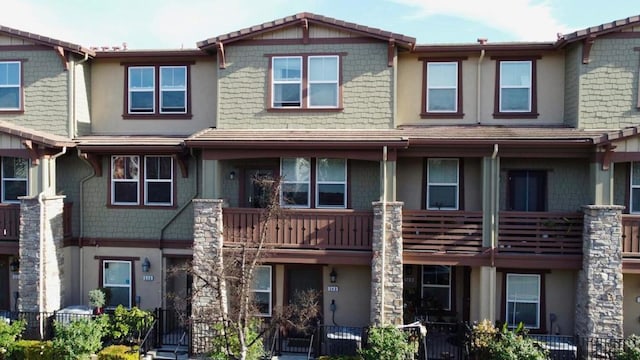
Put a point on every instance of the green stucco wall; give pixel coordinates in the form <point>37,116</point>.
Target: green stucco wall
<point>45,92</point>
<point>609,85</point>
<point>366,78</point>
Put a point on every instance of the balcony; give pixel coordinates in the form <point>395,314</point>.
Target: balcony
<point>312,229</point>
<point>10,222</point>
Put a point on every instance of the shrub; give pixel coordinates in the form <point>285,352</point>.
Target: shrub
<point>79,338</point>
<point>490,344</point>
<point>630,349</point>
<point>127,326</point>
<point>387,343</point>
<point>33,350</point>
<point>119,352</point>
<point>97,298</point>
<point>8,335</point>
<point>224,347</point>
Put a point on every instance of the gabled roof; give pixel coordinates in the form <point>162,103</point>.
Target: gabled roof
<point>599,30</point>
<point>401,40</point>
<point>43,40</point>
<point>39,137</point>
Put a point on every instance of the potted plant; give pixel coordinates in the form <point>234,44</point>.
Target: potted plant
<point>97,299</point>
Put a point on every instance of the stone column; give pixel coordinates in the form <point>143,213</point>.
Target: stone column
<point>599,287</point>
<point>386,264</point>
<point>40,284</point>
<point>207,256</point>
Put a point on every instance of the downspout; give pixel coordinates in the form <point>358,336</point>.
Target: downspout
<point>81,211</point>
<point>493,184</point>
<point>384,232</point>
<point>183,206</point>
<point>478,86</point>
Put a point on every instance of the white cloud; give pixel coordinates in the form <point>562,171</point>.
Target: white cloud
<point>527,20</point>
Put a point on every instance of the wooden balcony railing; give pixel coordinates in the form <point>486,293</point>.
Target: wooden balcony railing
<point>540,233</point>
<point>302,228</point>
<point>630,236</point>
<point>442,231</point>
<point>9,222</point>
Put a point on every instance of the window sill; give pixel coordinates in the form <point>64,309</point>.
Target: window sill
<point>282,110</point>
<point>157,116</point>
<point>147,207</point>
<point>516,115</point>
<point>435,115</point>
<point>12,112</point>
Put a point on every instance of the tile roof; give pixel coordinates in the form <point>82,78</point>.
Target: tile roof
<point>36,136</point>
<point>43,40</point>
<point>402,40</point>
<point>598,30</point>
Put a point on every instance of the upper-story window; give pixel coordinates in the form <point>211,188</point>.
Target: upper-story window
<point>10,85</point>
<point>157,188</point>
<point>442,184</point>
<point>442,95</point>
<point>310,81</point>
<point>330,186</point>
<point>15,178</point>
<point>635,188</point>
<point>515,88</point>
<point>158,91</point>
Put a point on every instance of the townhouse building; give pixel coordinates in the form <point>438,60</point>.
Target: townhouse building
<point>451,182</point>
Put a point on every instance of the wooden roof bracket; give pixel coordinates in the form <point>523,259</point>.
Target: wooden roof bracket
<point>34,154</point>
<point>305,31</point>
<point>94,160</point>
<point>391,52</point>
<point>182,160</point>
<point>60,52</point>
<point>587,43</point>
<point>221,56</point>
<point>608,155</point>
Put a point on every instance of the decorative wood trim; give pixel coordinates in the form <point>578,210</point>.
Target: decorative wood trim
<point>587,44</point>
<point>391,47</point>
<point>95,160</point>
<point>371,155</point>
<point>183,162</point>
<point>60,52</point>
<point>305,31</point>
<point>186,116</point>
<point>606,158</point>
<point>120,258</point>
<point>136,243</point>
<point>34,153</point>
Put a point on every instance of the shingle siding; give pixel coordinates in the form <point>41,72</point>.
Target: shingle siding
<point>367,89</point>
<point>45,92</point>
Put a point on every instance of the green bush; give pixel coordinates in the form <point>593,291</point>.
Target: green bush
<point>80,338</point>
<point>223,351</point>
<point>8,335</point>
<point>630,349</point>
<point>489,343</point>
<point>32,350</point>
<point>119,352</point>
<point>128,326</point>
<point>387,343</point>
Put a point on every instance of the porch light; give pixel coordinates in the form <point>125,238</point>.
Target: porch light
<point>333,276</point>
<point>232,175</point>
<point>14,265</point>
<point>146,264</point>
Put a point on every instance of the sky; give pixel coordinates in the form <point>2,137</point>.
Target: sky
<point>175,24</point>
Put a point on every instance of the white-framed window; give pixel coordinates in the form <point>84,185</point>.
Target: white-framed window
<point>323,81</point>
<point>296,177</point>
<point>635,188</point>
<point>158,180</point>
<point>442,87</point>
<point>442,184</point>
<point>331,183</point>
<point>515,94</point>
<point>116,278</point>
<point>142,86</point>
<point>15,179</point>
<point>10,85</point>
<point>262,285</point>
<point>523,300</point>
<point>173,89</point>
<point>436,287</point>
<point>287,81</point>
<point>125,180</point>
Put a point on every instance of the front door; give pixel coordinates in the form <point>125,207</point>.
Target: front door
<point>4,283</point>
<point>257,185</point>
<point>299,278</point>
